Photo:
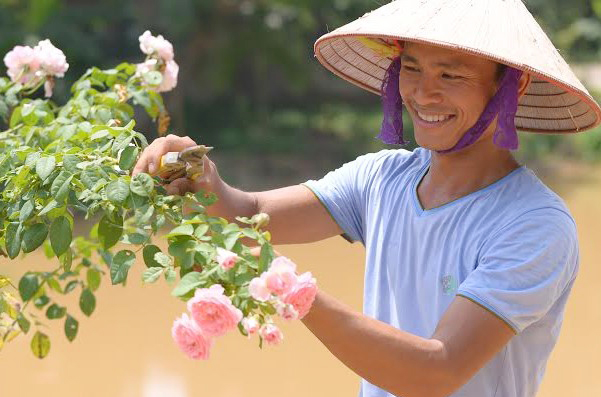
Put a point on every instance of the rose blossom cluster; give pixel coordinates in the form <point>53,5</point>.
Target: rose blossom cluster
<point>28,65</point>
<point>292,294</point>
<point>160,58</point>
<point>212,313</point>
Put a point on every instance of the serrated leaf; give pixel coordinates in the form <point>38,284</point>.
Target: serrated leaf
<point>163,259</point>
<point>142,185</point>
<point>182,230</point>
<point>109,232</point>
<point>23,322</point>
<point>71,328</point>
<point>26,210</point>
<point>66,260</point>
<point>93,277</point>
<point>117,191</point>
<point>34,236</point>
<point>128,157</point>
<point>40,345</point>
<point>44,166</point>
<point>265,257</point>
<point>188,283</point>
<point>60,186</point>
<point>149,253</point>
<point>170,275</point>
<point>60,235</point>
<point>13,239</point>
<point>55,311</point>
<point>87,302</point>
<point>28,286</point>
<point>152,274</point>
<point>120,266</point>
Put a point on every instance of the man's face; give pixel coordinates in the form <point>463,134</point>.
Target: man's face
<point>445,93</point>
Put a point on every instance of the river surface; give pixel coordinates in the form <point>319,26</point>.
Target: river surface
<point>125,349</point>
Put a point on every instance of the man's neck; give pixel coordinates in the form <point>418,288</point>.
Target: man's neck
<point>454,175</point>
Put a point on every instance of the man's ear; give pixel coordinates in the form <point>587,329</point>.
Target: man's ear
<point>523,84</point>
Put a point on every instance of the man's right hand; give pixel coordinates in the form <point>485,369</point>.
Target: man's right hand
<point>151,158</point>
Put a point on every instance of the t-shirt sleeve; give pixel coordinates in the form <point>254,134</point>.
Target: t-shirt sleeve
<point>525,267</point>
<point>343,192</point>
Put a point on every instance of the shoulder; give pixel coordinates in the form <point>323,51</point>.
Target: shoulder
<point>392,161</point>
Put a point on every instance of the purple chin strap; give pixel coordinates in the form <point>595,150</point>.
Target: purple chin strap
<point>503,104</point>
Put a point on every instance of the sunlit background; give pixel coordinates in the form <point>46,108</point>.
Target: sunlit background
<point>250,86</point>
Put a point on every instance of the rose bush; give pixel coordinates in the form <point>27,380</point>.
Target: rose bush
<point>59,163</point>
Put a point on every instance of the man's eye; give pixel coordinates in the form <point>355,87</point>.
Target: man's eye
<point>410,68</point>
<point>450,76</point>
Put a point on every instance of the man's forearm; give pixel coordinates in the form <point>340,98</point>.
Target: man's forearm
<point>399,362</point>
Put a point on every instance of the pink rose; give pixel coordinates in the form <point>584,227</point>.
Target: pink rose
<point>190,339</point>
<point>169,74</point>
<point>286,311</point>
<point>150,45</point>
<point>281,276</point>
<point>22,63</point>
<point>258,289</point>
<point>214,312</point>
<point>226,259</point>
<point>271,334</point>
<point>302,294</point>
<point>169,77</point>
<point>251,325</point>
<point>52,60</point>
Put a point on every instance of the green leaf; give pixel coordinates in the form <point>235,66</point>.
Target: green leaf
<point>40,345</point>
<point>109,232</point>
<point>182,230</point>
<point>24,323</point>
<point>153,77</point>
<point>152,274</point>
<point>71,327</point>
<point>120,266</point>
<point>71,285</point>
<point>149,253</point>
<point>117,191</point>
<point>55,311</point>
<point>201,230</point>
<point>52,283</point>
<point>70,162</point>
<point>41,301</point>
<point>128,157</point>
<point>142,184</point>
<point>13,239</point>
<point>60,235</point>
<point>28,286</point>
<point>163,259</point>
<point>60,186</point>
<point>44,166</point>
<point>87,302</point>
<point>66,260</point>
<point>26,210</point>
<point>265,257</point>
<point>34,236</point>
<point>49,207</point>
<point>170,275</point>
<point>188,283</point>
<point>93,277</point>
<point>183,252</point>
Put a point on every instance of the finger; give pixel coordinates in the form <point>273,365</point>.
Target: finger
<point>151,156</point>
<point>179,187</point>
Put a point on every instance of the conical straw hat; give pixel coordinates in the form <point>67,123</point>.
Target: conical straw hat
<point>500,30</point>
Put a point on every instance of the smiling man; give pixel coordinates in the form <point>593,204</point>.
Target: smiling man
<point>470,258</point>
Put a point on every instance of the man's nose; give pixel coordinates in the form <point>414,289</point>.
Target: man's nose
<point>427,91</point>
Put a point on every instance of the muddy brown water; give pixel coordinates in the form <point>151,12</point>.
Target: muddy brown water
<point>125,348</point>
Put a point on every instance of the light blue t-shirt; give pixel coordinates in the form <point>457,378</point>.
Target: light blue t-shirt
<point>510,247</point>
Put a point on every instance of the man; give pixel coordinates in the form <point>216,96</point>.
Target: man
<point>470,258</point>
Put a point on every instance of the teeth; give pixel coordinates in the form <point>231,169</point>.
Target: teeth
<point>433,118</point>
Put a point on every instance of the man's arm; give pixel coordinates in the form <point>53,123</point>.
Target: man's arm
<point>296,215</point>
<point>404,364</point>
